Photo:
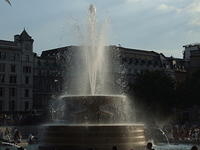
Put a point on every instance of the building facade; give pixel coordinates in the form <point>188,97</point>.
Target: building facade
<point>188,49</point>
<point>195,61</point>
<point>16,74</point>
<point>192,57</point>
<point>28,81</point>
<point>48,81</point>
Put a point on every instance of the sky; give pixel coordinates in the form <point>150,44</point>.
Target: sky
<point>163,26</point>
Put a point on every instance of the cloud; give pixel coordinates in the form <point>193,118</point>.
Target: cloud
<point>194,7</point>
<point>164,7</point>
<point>133,1</point>
<point>190,10</point>
<point>168,8</point>
<point>194,11</point>
<point>195,21</point>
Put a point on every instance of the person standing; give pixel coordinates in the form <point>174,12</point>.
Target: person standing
<point>17,136</point>
<point>194,147</point>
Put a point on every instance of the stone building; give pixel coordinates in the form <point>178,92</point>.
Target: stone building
<point>192,57</point>
<point>47,78</point>
<point>175,67</point>
<point>16,74</point>
<point>194,61</point>
<point>28,81</point>
<point>188,49</point>
<point>136,61</point>
<point>125,64</point>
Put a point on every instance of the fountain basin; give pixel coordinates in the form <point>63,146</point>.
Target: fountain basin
<point>96,136</point>
<point>91,109</point>
<point>100,130</point>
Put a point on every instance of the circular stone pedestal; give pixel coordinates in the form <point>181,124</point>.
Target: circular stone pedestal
<point>88,109</point>
<point>93,136</point>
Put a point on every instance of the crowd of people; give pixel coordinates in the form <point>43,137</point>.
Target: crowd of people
<point>13,137</point>
<point>173,133</point>
<point>10,135</point>
<point>183,133</point>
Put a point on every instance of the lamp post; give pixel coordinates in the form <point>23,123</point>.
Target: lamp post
<point>8,1</point>
<point>56,85</point>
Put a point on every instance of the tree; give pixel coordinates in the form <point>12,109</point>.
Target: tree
<point>154,92</point>
<point>188,91</point>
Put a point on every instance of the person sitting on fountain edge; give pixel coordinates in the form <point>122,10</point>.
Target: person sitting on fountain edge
<point>194,148</point>
<point>149,146</point>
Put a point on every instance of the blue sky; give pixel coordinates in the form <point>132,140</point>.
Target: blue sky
<point>159,25</point>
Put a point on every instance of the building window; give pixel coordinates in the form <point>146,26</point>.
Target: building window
<point>39,72</point>
<point>13,68</point>
<point>13,79</point>
<point>2,55</point>
<point>124,60</point>
<point>155,63</point>
<point>129,71</point>
<point>2,67</point>
<point>130,61</point>
<point>27,58</point>
<point>27,79</point>
<point>2,91</point>
<point>12,105</point>
<point>136,61</point>
<point>1,105</point>
<point>149,62</point>
<point>12,92</point>
<point>2,78</point>
<point>26,106</point>
<point>27,69</point>
<point>13,57</point>
<point>39,63</point>
<point>142,62</point>
<point>26,94</point>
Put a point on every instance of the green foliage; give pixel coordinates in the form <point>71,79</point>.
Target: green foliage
<point>154,91</point>
<point>188,92</point>
<point>154,85</point>
<point>158,94</point>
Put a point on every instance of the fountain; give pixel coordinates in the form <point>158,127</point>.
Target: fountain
<point>96,119</point>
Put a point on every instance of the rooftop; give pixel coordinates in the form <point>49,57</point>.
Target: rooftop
<point>7,43</point>
<point>191,45</point>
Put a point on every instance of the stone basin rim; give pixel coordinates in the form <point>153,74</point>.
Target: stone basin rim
<point>95,125</point>
<point>99,95</point>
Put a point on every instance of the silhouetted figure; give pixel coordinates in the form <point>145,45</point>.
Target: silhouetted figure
<point>32,139</point>
<point>7,134</point>
<point>114,148</point>
<point>20,148</point>
<point>149,146</point>
<point>194,148</point>
<point>17,136</point>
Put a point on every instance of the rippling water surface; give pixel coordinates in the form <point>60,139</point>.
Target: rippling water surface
<point>173,147</point>
<point>156,147</point>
